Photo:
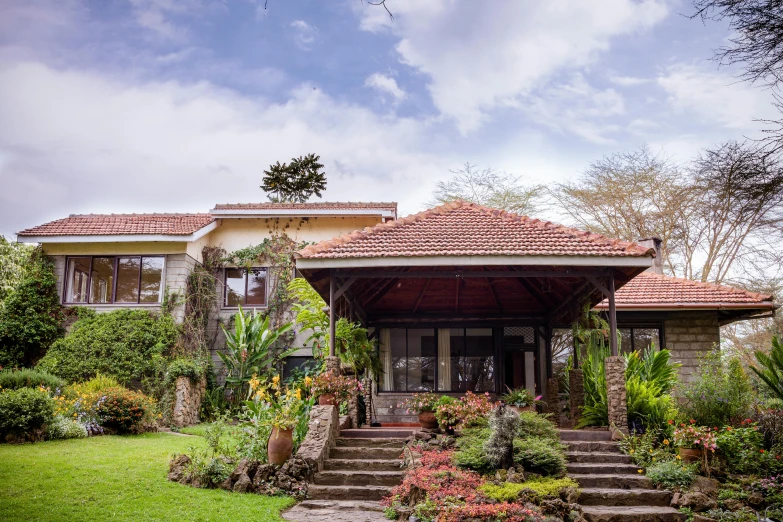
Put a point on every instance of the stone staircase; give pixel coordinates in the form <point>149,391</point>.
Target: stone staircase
<point>363,466</point>
<point>612,490</point>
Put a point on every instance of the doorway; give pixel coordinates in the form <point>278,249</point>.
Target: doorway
<point>520,358</point>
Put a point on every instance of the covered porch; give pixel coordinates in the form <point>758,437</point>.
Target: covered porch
<point>465,298</point>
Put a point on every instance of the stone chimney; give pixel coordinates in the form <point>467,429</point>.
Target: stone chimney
<point>655,244</point>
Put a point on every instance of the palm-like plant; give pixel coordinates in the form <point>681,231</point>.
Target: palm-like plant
<point>250,350</point>
<point>771,370</point>
<point>653,367</point>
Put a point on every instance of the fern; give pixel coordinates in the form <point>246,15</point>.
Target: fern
<point>771,370</point>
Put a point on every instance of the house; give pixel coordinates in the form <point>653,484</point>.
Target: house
<point>460,297</point>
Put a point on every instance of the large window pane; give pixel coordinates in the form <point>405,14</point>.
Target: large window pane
<point>235,287</point>
<point>625,340</point>
<point>102,280</point>
<point>151,279</point>
<point>421,359</point>
<point>127,280</point>
<point>457,345</point>
<point>398,343</point>
<point>643,338</point>
<point>256,287</point>
<point>479,360</point>
<point>78,275</point>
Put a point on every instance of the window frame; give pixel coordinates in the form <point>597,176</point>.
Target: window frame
<point>639,326</point>
<point>246,271</point>
<point>88,302</point>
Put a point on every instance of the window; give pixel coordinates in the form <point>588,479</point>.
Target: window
<point>639,339</point>
<point>114,279</point>
<point>245,287</point>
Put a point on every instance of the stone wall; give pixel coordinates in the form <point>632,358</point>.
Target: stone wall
<point>322,434</point>
<point>615,393</point>
<point>576,386</point>
<point>187,401</point>
<point>690,335</point>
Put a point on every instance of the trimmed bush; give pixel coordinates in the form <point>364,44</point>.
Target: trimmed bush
<point>544,487</point>
<point>24,410</point>
<point>124,411</point>
<point>539,456</point>
<point>29,378</point>
<point>532,424</point>
<point>63,428</point>
<point>125,344</point>
<point>470,450</point>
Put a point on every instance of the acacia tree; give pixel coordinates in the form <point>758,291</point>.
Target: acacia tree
<point>295,182</point>
<point>490,188</point>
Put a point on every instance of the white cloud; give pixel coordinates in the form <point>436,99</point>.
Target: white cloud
<point>478,58</point>
<point>304,34</point>
<point>386,85</point>
<point>628,81</point>
<point>715,97</point>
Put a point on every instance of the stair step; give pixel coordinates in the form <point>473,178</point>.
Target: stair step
<point>598,468</point>
<point>321,492</point>
<point>362,465</point>
<point>359,478</point>
<point>365,453</point>
<point>340,505</point>
<point>378,433</point>
<point>624,497</point>
<point>585,435</point>
<point>595,480</point>
<point>632,514</point>
<point>595,456</point>
<point>590,445</point>
<point>373,442</point>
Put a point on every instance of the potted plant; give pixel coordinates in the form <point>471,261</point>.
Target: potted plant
<point>424,405</point>
<point>280,409</point>
<point>447,413</point>
<point>693,442</point>
<point>332,389</point>
<point>520,399</point>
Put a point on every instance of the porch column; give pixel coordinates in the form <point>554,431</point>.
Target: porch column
<point>616,395</point>
<point>612,317</point>
<point>332,312</point>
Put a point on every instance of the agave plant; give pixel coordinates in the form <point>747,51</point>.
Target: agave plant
<point>771,370</point>
<point>250,349</point>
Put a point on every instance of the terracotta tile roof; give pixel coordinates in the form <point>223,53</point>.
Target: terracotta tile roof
<point>315,205</point>
<point>122,224</point>
<point>648,289</point>
<point>467,229</point>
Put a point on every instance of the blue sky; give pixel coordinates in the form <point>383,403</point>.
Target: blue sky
<point>165,105</point>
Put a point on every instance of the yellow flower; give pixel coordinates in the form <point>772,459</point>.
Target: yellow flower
<point>653,459</point>
<point>640,470</point>
<point>299,393</point>
<point>666,442</point>
<point>678,457</point>
<point>308,381</point>
<point>631,452</point>
<point>275,379</point>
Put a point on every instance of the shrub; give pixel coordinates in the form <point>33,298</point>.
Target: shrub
<point>644,448</point>
<point>64,428</point>
<point>672,474</point>
<point>97,384</point>
<point>539,456</point>
<point>24,410</point>
<point>125,344</point>
<point>468,411</point>
<point>770,424</point>
<point>470,450</point>
<point>31,314</point>
<point>492,512</point>
<point>743,449</point>
<point>543,487</point>
<point>27,378</point>
<point>532,424</point>
<point>123,410</point>
<point>720,395</point>
<point>420,402</point>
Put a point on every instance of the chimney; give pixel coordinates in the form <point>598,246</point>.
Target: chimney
<point>655,244</point>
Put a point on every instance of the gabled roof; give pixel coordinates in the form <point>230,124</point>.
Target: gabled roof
<point>309,209</point>
<point>467,229</point>
<point>158,225</point>
<point>648,291</point>
<point>314,205</point>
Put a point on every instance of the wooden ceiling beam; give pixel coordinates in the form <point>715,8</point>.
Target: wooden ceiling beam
<point>446,274</point>
<point>421,295</point>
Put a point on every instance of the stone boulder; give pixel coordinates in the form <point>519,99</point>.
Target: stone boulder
<point>697,502</point>
<point>178,468</point>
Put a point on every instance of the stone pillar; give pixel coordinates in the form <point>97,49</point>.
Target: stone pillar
<point>576,384</point>
<point>553,399</point>
<point>187,401</point>
<point>367,401</point>
<point>333,364</point>
<point>615,393</point>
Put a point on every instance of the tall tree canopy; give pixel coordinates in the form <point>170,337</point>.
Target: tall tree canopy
<point>488,187</point>
<point>295,182</point>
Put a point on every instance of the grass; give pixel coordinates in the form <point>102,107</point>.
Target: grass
<point>115,478</point>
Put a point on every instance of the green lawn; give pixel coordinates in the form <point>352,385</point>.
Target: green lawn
<point>115,478</point>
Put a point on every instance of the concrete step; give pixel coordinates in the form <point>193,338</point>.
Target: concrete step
<point>624,497</point>
<point>589,445</point>
<point>595,456</point>
<point>632,514</point>
<point>378,433</point>
<point>585,435</point>
<point>375,442</point>
<point>362,465</point>
<point>358,478</point>
<point>602,468</point>
<point>341,505</point>
<point>323,492</point>
<point>609,481</point>
<point>365,453</point>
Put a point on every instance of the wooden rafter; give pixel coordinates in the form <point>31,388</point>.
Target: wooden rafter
<point>421,295</point>
<point>382,291</point>
<point>456,296</point>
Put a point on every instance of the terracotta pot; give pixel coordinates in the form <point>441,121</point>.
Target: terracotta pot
<point>689,455</point>
<point>327,400</point>
<point>281,444</point>
<point>427,420</point>
<point>520,409</point>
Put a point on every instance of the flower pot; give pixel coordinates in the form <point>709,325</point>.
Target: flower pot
<point>427,420</point>
<point>327,400</point>
<point>520,409</point>
<point>281,444</point>
<point>689,455</point>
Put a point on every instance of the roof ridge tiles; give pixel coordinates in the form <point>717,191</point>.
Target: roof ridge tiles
<point>707,284</point>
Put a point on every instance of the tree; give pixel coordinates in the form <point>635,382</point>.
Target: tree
<point>13,259</point>
<point>490,188</point>
<point>295,182</point>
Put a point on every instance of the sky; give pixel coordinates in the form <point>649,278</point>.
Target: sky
<point>113,106</point>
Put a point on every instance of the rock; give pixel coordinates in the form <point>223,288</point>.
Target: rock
<point>243,484</point>
<point>698,502</point>
<point>177,468</point>
<point>240,470</point>
<point>420,435</point>
<point>705,485</point>
<point>514,476</point>
<point>570,495</point>
<point>556,507</point>
<point>429,430</point>
<point>501,475</point>
<point>227,484</point>
<point>732,504</point>
<point>700,518</point>
<point>755,499</point>
<point>675,499</point>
